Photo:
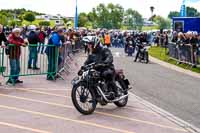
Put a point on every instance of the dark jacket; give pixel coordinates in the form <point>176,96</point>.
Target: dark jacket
<point>3,38</point>
<point>101,56</point>
<point>14,49</point>
<point>33,37</point>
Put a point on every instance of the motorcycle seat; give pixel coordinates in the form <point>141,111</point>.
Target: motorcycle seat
<point>118,71</point>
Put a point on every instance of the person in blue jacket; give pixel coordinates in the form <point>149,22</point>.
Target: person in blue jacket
<point>52,51</point>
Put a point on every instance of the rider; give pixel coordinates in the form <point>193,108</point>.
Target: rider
<point>139,41</point>
<point>103,59</point>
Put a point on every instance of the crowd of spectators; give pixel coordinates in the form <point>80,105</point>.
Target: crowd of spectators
<point>39,40</point>
<point>45,40</point>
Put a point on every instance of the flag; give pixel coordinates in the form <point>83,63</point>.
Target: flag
<point>193,0</point>
<point>76,17</point>
<point>183,9</point>
<point>183,12</point>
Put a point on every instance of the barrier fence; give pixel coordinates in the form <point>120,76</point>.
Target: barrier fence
<point>184,54</point>
<point>35,59</point>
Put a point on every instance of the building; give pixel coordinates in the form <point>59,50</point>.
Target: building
<point>58,19</point>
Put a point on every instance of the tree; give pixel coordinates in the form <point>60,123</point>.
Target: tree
<point>82,19</point>
<point>116,13</point>
<point>3,20</point>
<point>103,16</point>
<point>162,22</point>
<point>44,23</point>
<point>173,14</point>
<point>30,17</point>
<point>133,20</point>
<point>92,17</point>
<point>65,20</point>
<point>192,12</point>
<point>12,23</point>
<point>107,16</point>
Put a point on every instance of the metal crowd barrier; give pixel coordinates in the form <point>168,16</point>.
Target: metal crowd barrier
<point>184,54</point>
<point>37,59</point>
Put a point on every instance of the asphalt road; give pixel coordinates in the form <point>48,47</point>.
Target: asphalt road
<point>41,106</point>
<point>172,91</point>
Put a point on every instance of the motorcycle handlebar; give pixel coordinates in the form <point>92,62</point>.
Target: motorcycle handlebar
<point>93,65</point>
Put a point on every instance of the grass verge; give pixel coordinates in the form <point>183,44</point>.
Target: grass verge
<point>159,53</point>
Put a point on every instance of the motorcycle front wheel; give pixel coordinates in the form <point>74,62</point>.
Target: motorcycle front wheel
<point>83,98</point>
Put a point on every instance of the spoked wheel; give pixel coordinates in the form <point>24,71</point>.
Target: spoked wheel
<point>83,99</point>
<point>123,90</point>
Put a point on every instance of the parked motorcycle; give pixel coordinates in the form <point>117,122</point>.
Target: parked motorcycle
<point>89,88</point>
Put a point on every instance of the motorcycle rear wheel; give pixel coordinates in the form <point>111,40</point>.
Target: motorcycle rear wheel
<point>83,98</point>
<point>123,102</point>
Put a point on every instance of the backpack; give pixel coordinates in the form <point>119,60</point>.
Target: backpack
<point>32,38</point>
<point>41,36</point>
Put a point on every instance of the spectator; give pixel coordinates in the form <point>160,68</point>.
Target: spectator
<point>14,55</point>
<point>2,35</point>
<point>52,52</point>
<point>107,40</point>
<point>33,54</point>
<point>2,38</point>
<point>41,35</point>
<point>174,37</point>
<point>199,44</point>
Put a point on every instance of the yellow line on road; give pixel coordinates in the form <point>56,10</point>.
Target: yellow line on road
<point>44,93</point>
<point>98,112</point>
<point>65,119</point>
<point>63,96</point>
<point>22,127</point>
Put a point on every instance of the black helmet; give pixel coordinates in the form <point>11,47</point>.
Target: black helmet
<point>96,42</point>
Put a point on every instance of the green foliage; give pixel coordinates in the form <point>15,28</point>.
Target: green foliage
<point>3,20</point>
<point>30,17</point>
<point>192,12</point>
<point>162,22</point>
<point>173,14</point>
<point>133,20</point>
<point>159,53</point>
<point>82,19</point>
<point>18,11</point>
<point>65,20</point>
<point>103,16</point>
<point>44,23</point>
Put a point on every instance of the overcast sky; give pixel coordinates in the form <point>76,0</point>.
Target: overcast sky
<point>67,7</point>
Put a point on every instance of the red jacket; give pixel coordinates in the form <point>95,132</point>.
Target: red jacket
<point>15,50</point>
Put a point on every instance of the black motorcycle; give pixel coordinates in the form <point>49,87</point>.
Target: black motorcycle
<point>144,54</point>
<point>89,88</point>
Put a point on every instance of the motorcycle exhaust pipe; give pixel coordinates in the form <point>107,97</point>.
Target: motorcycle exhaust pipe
<point>122,97</point>
<point>110,101</point>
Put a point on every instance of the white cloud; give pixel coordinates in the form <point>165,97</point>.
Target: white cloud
<point>67,7</point>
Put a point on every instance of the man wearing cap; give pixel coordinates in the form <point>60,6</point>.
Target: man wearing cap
<point>52,52</point>
<point>14,55</point>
